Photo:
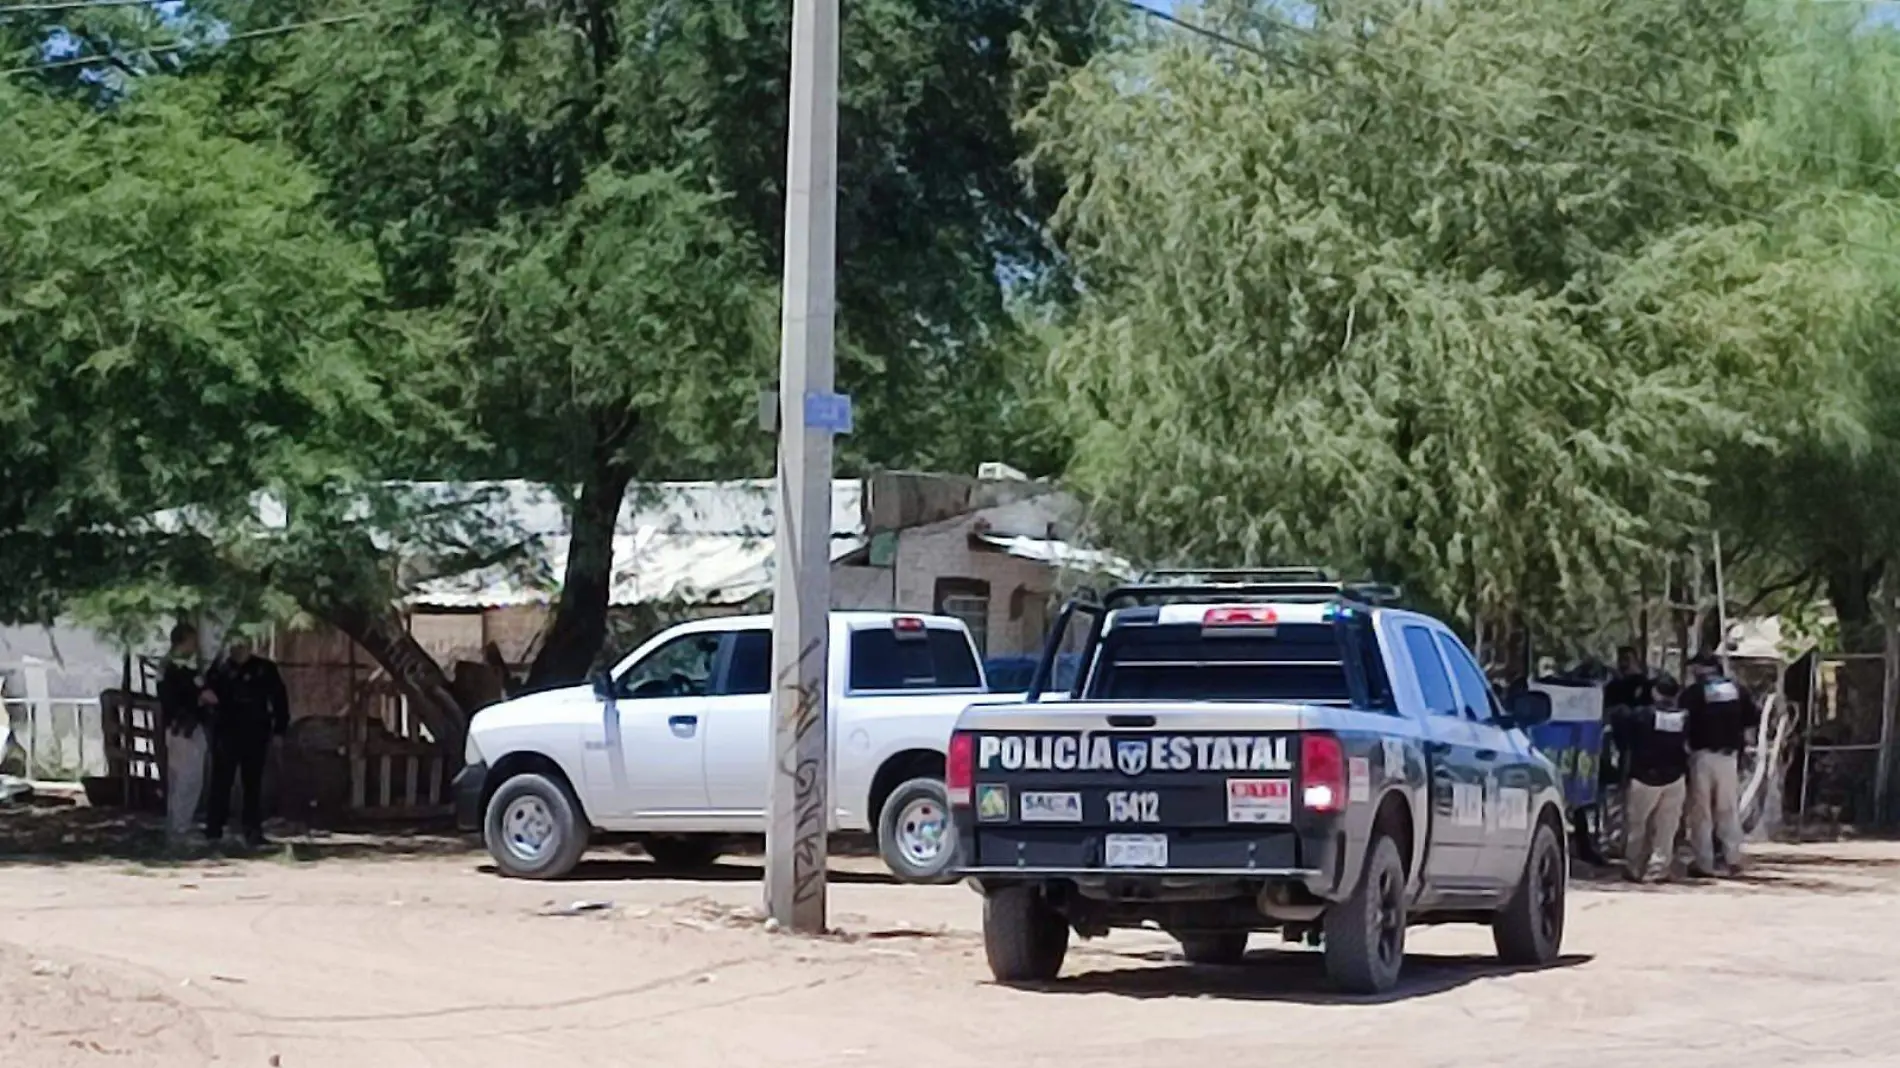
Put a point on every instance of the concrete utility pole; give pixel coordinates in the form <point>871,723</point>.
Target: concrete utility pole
<point>809,413</point>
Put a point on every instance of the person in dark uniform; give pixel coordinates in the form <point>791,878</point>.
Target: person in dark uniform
<point>1722,715</point>
<point>253,707</point>
<point>1655,736</point>
<point>185,707</point>
<point>1632,687</point>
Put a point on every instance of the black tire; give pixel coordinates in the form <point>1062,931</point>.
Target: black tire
<point>1365,934</point>
<point>1221,947</point>
<point>534,828</point>
<point>683,852</point>
<point>903,833</point>
<point>1023,937</point>
<point>1529,932</point>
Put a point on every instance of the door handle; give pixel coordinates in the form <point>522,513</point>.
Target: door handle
<point>683,726</point>
<point>1438,748</point>
<point>1131,721</point>
<point>1487,754</point>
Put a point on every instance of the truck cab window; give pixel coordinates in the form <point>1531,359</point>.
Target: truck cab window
<point>882,662</point>
<point>750,669</point>
<point>682,667</point>
<point>1433,684</point>
<point>1479,703</point>
<point>1297,662</point>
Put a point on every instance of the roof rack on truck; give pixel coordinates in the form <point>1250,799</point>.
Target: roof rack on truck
<point>1301,585</point>
<point>1285,584</point>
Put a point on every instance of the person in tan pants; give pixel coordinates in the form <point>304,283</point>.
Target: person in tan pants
<point>1655,738</point>
<point>185,709</point>
<point>1721,716</point>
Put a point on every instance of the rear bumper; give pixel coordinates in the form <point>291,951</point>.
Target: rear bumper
<point>1001,853</point>
<point>1288,874</point>
<point>467,788</point>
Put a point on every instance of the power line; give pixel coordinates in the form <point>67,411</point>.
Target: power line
<point>182,46</point>
<point>1469,127</point>
<point>77,5</point>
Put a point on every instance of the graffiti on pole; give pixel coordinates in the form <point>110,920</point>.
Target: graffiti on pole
<point>808,814</point>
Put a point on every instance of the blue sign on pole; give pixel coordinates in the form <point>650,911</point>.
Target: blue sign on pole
<point>830,412</point>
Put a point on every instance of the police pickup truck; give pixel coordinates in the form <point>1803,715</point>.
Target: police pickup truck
<point>1238,755</point>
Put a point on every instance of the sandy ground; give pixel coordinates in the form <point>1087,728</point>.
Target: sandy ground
<point>337,953</point>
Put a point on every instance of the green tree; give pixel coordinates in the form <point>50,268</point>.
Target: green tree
<point>1464,294</point>
<point>1820,509</point>
<point>480,146</point>
<point>183,331</point>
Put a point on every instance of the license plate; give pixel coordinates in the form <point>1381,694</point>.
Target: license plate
<point>1136,851</point>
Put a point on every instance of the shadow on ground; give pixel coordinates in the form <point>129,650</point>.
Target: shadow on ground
<point>1292,976</point>
<point>51,833</point>
<point>640,869</point>
<point>1768,870</point>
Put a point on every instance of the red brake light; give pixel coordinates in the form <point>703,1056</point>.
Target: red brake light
<point>1243,616</point>
<point>959,768</point>
<point>1322,773</point>
<point>907,625</point>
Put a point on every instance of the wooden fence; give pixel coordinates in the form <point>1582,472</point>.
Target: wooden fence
<point>396,770</point>
<point>135,749</point>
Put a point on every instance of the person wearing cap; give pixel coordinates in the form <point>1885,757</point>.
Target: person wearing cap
<point>253,708</point>
<point>1721,717</point>
<point>1655,737</point>
<point>185,705</point>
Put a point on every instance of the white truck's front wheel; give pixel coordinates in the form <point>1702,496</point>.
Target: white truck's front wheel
<point>534,829</point>
<point>915,835</point>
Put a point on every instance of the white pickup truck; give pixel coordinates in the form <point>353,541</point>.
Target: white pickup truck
<point>673,747</point>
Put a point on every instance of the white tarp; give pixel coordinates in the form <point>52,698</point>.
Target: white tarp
<point>1572,704</point>
<point>696,542</point>
<point>1063,555</point>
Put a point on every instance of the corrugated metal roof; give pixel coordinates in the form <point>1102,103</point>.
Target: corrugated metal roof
<point>648,568</point>
<point>683,542</point>
<point>1064,555</point>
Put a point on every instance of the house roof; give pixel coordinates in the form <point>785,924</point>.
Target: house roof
<point>680,542</point>
<point>693,542</point>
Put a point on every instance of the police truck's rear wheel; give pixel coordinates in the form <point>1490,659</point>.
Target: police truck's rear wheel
<point>1221,947</point>
<point>1365,934</point>
<point>1530,930</point>
<point>1024,937</point>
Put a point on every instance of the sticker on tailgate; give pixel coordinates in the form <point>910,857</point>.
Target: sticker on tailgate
<point>1259,801</point>
<point>1043,806</point>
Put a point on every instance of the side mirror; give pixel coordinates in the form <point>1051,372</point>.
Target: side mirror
<point>1529,708</point>
<point>603,685</point>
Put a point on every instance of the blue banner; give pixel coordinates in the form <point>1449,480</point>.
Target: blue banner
<point>1576,748</point>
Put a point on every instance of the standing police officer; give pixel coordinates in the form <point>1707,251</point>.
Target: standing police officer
<point>253,707</point>
<point>1654,737</point>
<point>1721,717</point>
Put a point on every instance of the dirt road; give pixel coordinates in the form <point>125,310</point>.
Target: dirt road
<point>391,963</point>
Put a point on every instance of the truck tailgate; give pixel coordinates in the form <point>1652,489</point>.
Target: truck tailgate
<point>1069,791</point>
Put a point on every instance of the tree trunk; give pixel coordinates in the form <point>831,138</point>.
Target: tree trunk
<point>1850,589</point>
<point>579,627</point>
<point>383,636</point>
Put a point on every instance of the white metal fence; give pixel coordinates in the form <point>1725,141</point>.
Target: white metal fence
<point>56,739</point>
